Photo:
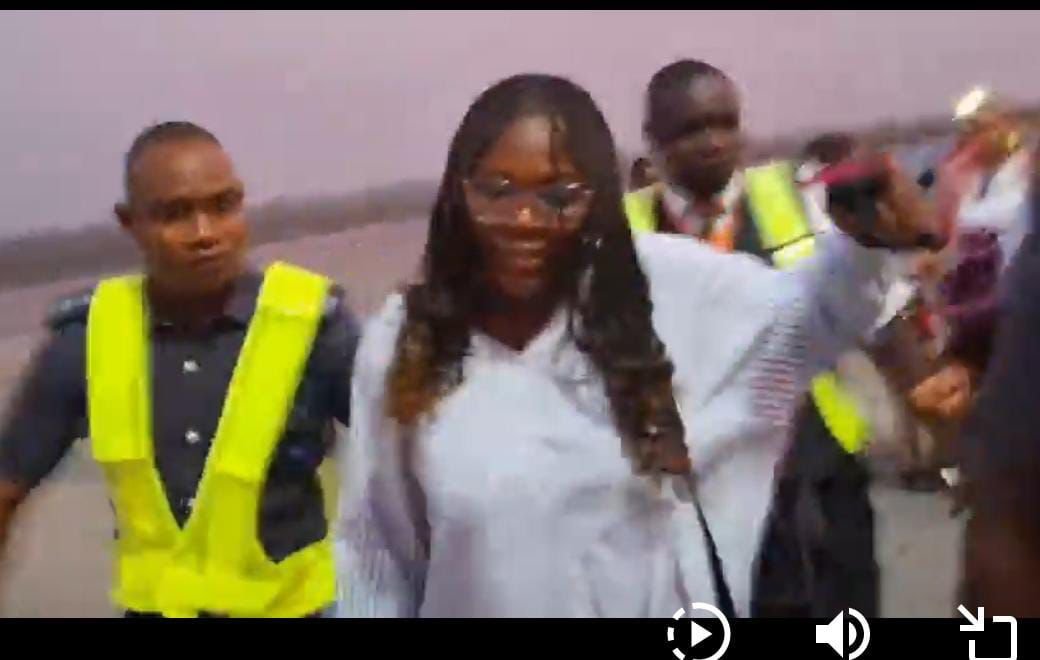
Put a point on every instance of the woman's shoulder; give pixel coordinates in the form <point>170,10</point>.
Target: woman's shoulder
<point>688,269</point>
<point>379,332</point>
<point>661,252</point>
<point>391,314</point>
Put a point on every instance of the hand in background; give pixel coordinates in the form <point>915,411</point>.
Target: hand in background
<point>947,394</point>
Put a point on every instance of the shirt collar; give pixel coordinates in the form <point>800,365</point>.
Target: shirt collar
<point>677,203</point>
<point>240,306</point>
<point>674,201</point>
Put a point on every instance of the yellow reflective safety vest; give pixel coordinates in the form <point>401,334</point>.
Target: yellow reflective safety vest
<point>779,215</point>
<point>216,563</point>
<point>642,217</point>
<point>639,208</point>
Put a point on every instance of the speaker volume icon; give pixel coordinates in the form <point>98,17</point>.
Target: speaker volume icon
<point>833,634</point>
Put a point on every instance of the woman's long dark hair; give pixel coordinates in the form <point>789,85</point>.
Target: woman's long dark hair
<point>604,288</point>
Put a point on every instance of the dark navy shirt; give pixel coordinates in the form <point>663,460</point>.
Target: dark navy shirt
<point>190,375</point>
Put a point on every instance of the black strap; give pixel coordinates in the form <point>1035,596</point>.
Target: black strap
<point>722,595</point>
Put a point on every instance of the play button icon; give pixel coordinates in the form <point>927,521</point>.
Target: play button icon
<point>703,644</point>
<point>698,633</point>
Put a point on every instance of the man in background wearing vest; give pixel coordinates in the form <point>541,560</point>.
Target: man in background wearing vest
<point>208,389</point>
<point>818,554</point>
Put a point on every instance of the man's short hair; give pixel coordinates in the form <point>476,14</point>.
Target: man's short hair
<point>161,133</point>
<point>676,76</point>
<point>830,148</point>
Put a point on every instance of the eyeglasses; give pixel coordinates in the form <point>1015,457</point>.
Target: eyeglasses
<point>505,197</point>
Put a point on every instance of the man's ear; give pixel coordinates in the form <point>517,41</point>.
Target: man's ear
<point>648,137</point>
<point>653,147</point>
<point>123,215</point>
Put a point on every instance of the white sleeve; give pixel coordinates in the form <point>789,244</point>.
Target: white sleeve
<point>731,320</point>
<point>896,287</point>
<point>996,212</point>
<point>1005,214</point>
<point>837,301</point>
<point>380,549</point>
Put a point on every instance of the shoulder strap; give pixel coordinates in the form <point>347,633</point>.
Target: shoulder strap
<point>723,597</point>
<point>288,314</point>
<point>119,393</point>
<point>639,207</point>
<point>776,208</point>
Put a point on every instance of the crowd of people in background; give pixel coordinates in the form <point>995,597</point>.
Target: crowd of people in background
<point>590,401</point>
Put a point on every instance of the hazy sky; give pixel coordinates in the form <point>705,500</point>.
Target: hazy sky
<point>322,101</point>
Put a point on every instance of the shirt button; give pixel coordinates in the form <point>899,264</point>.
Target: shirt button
<point>190,366</point>
<point>192,436</point>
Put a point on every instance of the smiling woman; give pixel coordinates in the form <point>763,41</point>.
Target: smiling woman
<point>530,408</point>
<point>525,209</point>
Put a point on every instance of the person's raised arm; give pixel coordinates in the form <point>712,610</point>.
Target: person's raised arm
<point>726,316</point>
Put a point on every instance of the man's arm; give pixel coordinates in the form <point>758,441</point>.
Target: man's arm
<point>11,496</point>
<point>844,286</point>
<point>45,416</point>
<point>339,338</point>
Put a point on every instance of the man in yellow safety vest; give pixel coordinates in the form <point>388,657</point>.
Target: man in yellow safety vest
<point>207,389</point>
<point>820,560</point>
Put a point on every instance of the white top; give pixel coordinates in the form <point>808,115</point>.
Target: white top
<point>532,508</point>
<point>1004,208</point>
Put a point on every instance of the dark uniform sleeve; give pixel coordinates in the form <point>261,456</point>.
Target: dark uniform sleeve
<point>334,353</point>
<point>48,410</point>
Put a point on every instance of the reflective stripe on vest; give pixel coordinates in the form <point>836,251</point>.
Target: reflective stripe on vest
<point>783,228</point>
<point>216,564</point>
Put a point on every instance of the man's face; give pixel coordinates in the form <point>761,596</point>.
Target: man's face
<point>695,133</point>
<point>186,213</point>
